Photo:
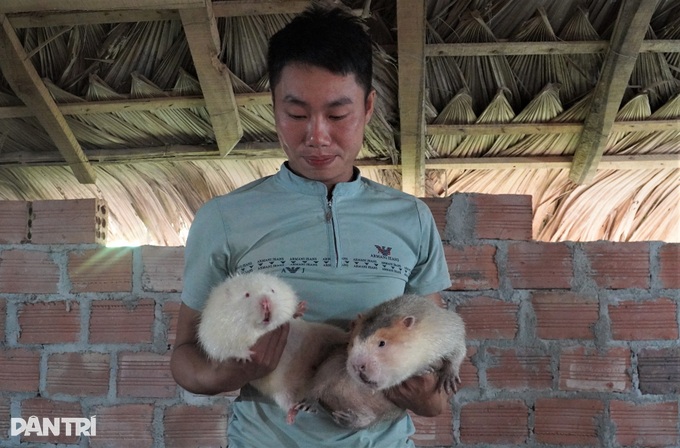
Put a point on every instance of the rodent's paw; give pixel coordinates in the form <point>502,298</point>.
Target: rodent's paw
<point>305,405</point>
<point>347,418</point>
<point>244,356</point>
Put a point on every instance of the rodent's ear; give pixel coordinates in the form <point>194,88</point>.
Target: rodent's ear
<point>409,322</point>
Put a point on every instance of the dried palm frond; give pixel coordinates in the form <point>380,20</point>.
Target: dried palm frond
<point>187,126</point>
<point>583,69</point>
<point>443,77</point>
<point>634,110</point>
<point>443,16</point>
<point>484,75</point>
<point>458,111</point>
<point>662,142</point>
<point>83,46</point>
<point>158,132</point>
<point>652,74</point>
<point>535,71</point>
<point>541,109</point>
<point>498,112</point>
<point>672,31</point>
<point>553,144</point>
<point>21,134</point>
<point>612,203</point>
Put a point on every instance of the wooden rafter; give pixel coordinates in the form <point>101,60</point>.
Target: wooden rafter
<point>27,85</point>
<point>27,18</point>
<point>526,48</point>
<point>200,28</point>
<point>629,32</point>
<point>43,6</point>
<point>411,55</point>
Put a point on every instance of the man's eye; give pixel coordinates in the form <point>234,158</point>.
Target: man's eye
<point>296,117</point>
<point>337,117</point>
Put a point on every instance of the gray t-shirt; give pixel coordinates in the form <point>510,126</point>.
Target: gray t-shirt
<point>370,243</point>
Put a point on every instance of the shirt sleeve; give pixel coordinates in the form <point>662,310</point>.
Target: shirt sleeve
<point>205,256</point>
<point>431,273</point>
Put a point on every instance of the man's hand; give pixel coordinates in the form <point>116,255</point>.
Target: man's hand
<point>420,395</point>
<point>267,352</point>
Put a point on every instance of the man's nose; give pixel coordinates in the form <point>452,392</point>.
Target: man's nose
<point>318,134</point>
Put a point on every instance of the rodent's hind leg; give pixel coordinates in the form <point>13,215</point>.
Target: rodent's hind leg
<point>306,405</point>
<point>351,419</point>
<point>448,377</point>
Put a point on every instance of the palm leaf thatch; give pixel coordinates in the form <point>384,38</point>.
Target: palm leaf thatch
<point>664,142</point>
<point>485,75</point>
<point>443,77</point>
<point>458,111</point>
<point>541,109</point>
<point>538,70</point>
<point>498,112</point>
<point>583,68</point>
<point>552,144</point>
<point>636,109</point>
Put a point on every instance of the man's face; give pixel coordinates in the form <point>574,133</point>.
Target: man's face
<point>320,119</point>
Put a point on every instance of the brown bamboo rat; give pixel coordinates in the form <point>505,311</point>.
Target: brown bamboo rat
<point>400,338</point>
<point>243,308</point>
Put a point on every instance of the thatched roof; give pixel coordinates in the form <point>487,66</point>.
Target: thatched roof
<point>156,106</point>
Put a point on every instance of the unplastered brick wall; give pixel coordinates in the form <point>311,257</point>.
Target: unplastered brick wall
<point>569,344</point>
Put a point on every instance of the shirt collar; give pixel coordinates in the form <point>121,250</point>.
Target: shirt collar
<point>312,187</point>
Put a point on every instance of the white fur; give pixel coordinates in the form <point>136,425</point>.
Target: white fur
<point>434,334</point>
<point>232,320</point>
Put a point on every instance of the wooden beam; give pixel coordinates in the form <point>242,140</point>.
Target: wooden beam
<point>411,57</point>
<point>629,32</point>
<point>531,48</point>
<point>137,104</point>
<point>545,128</point>
<point>42,6</point>
<point>200,28</point>
<point>93,15</point>
<point>27,85</point>
<point>272,150</point>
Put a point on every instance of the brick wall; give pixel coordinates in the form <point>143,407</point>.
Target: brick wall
<point>570,344</point>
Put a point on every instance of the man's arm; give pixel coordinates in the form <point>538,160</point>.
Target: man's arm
<point>419,394</point>
<point>192,369</point>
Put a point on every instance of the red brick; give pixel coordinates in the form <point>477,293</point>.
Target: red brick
<point>589,370</point>
<point>669,265</point>
<point>163,268</point>
<point>171,316</point>
<point>81,374</point>
<point>124,426</point>
<point>433,431</point>
<point>619,265</point>
<point>646,320</point>
<point>439,208</point>
<point>50,409</point>
<point>537,265</point>
<point>487,318</point>
<point>69,221</point>
<point>469,377</point>
<point>518,369</point>
<point>101,270</point>
<point>565,315</point>
<point>647,424</point>
<point>563,421</point>
<point>502,216</point>
<point>145,375</point>
<point>14,222</point>
<point>19,370</point>
<point>659,370</point>
<point>28,272</point>
<point>472,267</point>
<point>49,322</point>
<point>191,426</point>
<point>494,422</point>
<point>123,322</point>
<point>4,417</point>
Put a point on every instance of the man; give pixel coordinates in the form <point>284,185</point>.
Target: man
<point>344,243</point>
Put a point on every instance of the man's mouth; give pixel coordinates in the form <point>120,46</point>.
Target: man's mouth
<point>320,161</point>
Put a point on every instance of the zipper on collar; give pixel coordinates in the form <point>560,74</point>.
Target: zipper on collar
<point>333,231</point>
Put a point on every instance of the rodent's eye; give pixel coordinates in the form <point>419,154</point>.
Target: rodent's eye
<point>247,295</point>
<point>381,344</point>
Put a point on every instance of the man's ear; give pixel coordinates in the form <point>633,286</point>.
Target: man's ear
<point>370,104</point>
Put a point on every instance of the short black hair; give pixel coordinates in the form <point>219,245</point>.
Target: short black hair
<point>333,39</point>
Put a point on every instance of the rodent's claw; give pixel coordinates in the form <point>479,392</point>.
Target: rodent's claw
<point>304,405</point>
